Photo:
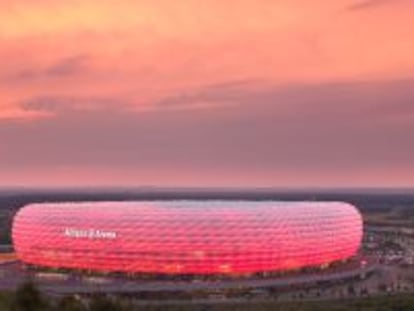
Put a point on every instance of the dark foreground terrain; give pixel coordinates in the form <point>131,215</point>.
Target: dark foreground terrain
<point>28,298</point>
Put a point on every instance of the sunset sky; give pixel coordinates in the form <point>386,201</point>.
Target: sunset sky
<point>212,93</point>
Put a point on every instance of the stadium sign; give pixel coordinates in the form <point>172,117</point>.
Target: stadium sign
<point>89,233</point>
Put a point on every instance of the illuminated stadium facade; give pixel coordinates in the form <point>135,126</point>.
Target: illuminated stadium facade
<point>187,237</point>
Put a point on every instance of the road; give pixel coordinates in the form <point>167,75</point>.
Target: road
<point>11,276</point>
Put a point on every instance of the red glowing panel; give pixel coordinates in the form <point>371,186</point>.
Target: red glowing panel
<point>188,237</point>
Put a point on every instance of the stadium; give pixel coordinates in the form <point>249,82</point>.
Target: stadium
<point>186,237</point>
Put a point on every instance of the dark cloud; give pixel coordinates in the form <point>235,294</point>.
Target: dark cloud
<point>68,66</point>
<point>351,99</point>
<point>64,67</point>
<point>65,104</point>
<point>215,94</point>
<point>367,4</point>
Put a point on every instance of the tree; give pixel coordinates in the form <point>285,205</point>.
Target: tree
<point>104,304</point>
<point>28,298</point>
<point>69,303</point>
<point>6,300</point>
<point>351,290</point>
